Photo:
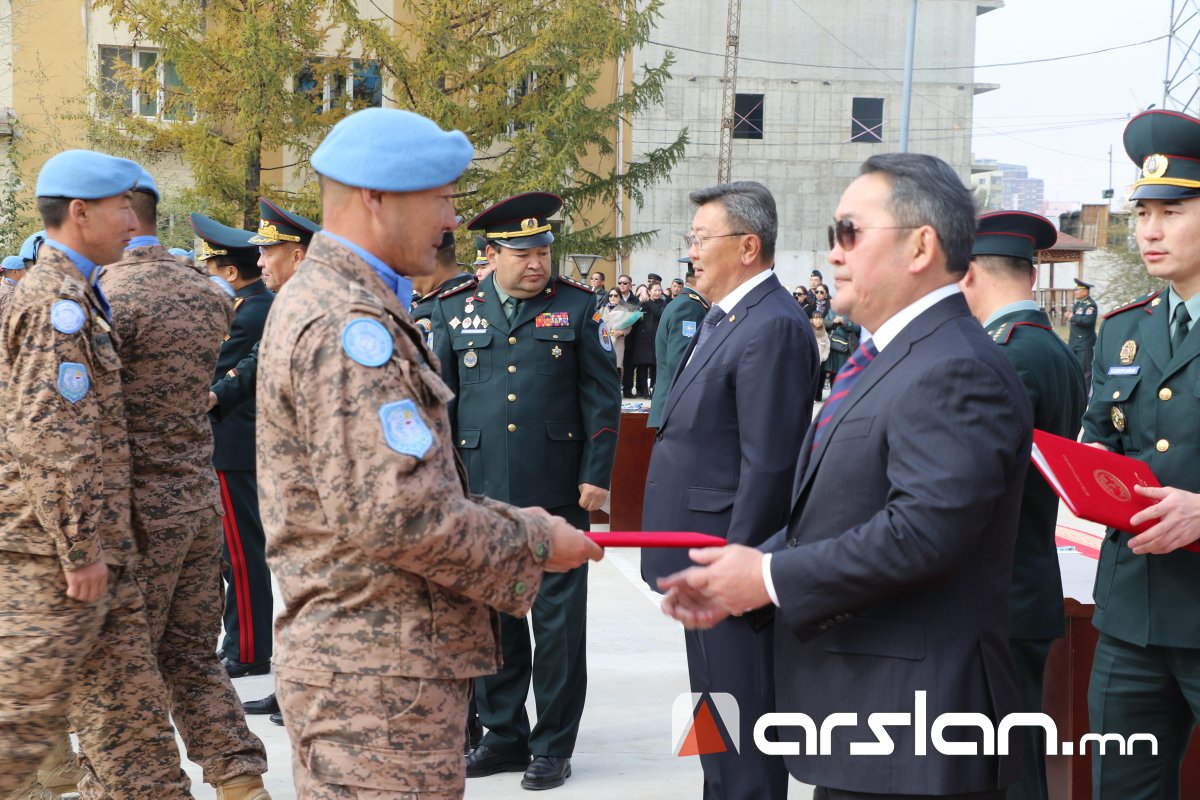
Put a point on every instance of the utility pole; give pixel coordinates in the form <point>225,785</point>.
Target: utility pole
<point>733,28</point>
<point>1181,81</point>
<point>909,54</point>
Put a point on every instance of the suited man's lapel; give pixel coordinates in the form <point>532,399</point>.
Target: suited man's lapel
<point>896,351</point>
<point>693,366</point>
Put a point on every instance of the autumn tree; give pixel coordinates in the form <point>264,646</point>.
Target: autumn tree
<point>226,82</point>
<point>522,79</point>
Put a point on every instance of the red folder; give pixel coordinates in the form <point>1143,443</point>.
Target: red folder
<point>1095,484</point>
<point>654,539</point>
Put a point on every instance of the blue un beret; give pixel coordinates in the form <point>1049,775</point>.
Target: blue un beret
<point>29,248</point>
<point>13,262</point>
<point>146,184</point>
<point>86,175</point>
<point>391,150</point>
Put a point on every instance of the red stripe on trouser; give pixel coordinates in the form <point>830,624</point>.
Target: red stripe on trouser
<point>241,578</point>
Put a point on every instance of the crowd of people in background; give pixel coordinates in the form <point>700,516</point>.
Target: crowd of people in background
<point>632,316</point>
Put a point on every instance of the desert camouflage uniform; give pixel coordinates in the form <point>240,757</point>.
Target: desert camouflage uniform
<point>386,564</point>
<point>65,504</point>
<point>170,320</point>
<point>7,287</point>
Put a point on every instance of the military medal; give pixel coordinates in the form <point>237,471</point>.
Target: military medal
<point>470,359</point>
<point>1128,351</point>
<point>454,323</point>
<point>1118,418</point>
<point>556,351</point>
<point>469,308</point>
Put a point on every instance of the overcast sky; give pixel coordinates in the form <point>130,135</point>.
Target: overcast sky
<point>1059,118</point>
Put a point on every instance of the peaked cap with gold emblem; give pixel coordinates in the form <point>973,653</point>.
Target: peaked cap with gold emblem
<point>219,240</point>
<point>520,222</point>
<point>1166,145</point>
<point>276,226</point>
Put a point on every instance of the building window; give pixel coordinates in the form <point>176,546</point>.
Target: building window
<point>525,87</point>
<point>866,119</point>
<point>360,88</point>
<point>748,116</point>
<point>118,96</point>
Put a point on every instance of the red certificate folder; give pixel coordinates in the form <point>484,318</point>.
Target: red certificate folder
<point>654,539</point>
<point>1095,484</point>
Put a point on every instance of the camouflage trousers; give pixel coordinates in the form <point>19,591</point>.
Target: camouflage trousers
<point>88,662</point>
<point>179,574</point>
<point>373,737</point>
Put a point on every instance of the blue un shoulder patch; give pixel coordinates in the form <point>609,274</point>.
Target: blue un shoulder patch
<point>367,342</point>
<point>404,430</point>
<point>67,316</point>
<point>73,381</point>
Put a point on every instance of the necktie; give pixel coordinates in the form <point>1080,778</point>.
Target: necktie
<point>1182,318</point>
<point>510,308</point>
<point>714,315</point>
<point>842,384</point>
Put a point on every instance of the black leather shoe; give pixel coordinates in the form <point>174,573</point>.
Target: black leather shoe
<point>546,772</point>
<point>277,718</point>
<point>268,705</point>
<point>237,669</point>
<point>486,761</point>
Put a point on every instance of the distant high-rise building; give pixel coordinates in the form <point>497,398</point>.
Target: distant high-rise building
<point>1007,186</point>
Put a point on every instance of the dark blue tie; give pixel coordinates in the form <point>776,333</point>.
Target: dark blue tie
<point>842,384</point>
<point>714,315</point>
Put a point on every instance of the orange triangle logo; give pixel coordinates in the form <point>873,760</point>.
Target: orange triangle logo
<point>703,737</point>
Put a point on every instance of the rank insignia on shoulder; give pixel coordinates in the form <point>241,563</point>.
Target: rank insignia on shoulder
<point>689,328</point>
<point>67,316</point>
<point>404,430</point>
<point>367,342</point>
<point>605,339</point>
<point>73,381</point>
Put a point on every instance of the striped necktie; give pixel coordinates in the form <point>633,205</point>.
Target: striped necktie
<point>842,384</point>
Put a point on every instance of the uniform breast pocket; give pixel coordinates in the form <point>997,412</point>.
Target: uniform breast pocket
<point>556,348</point>
<point>466,442</point>
<point>474,356</point>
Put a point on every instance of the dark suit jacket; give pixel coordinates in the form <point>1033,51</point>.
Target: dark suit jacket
<point>893,573</point>
<point>725,453</point>
<point>234,432</point>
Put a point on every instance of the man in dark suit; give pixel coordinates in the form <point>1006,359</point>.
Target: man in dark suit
<point>725,451</point>
<point>998,287</point>
<point>229,253</point>
<point>891,577</point>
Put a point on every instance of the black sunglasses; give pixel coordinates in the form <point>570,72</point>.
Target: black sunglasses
<point>845,232</point>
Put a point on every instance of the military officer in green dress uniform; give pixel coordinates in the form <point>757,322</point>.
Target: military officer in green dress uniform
<point>1145,404</point>
<point>536,418</point>
<point>998,287</point>
<point>678,326</point>
<point>1083,318</point>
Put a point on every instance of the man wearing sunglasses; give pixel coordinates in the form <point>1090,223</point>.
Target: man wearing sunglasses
<point>725,452</point>
<point>890,581</point>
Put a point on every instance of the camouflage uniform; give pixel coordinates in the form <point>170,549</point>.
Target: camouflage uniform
<point>386,564</point>
<point>170,320</point>
<point>7,287</point>
<point>65,503</point>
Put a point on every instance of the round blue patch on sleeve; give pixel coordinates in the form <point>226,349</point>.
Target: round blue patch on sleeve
<point>367,342</point>
<point>67,316</point>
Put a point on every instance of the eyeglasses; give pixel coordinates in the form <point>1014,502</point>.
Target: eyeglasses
<point>624,283</point>
<point>845,232</point>
<point>698,241</point>
<point>818,291</point>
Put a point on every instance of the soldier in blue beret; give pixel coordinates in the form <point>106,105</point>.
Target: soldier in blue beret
<point>998,288</point>
<point>232,255</point>
<point>14,270</point>
<point>76,638</point>
<point>31,246</point>
<point>1145,404</point>
<point>536,418</point>
<point>390,565</point>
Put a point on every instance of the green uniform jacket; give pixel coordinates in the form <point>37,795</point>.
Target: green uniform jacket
<point>1084,315</point>
<point>1146,404</point>
<point>422,307</point>
<point>847,333</point>
<point>679,324</point>
<point>539,402</point>
<point>1054,381</point>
